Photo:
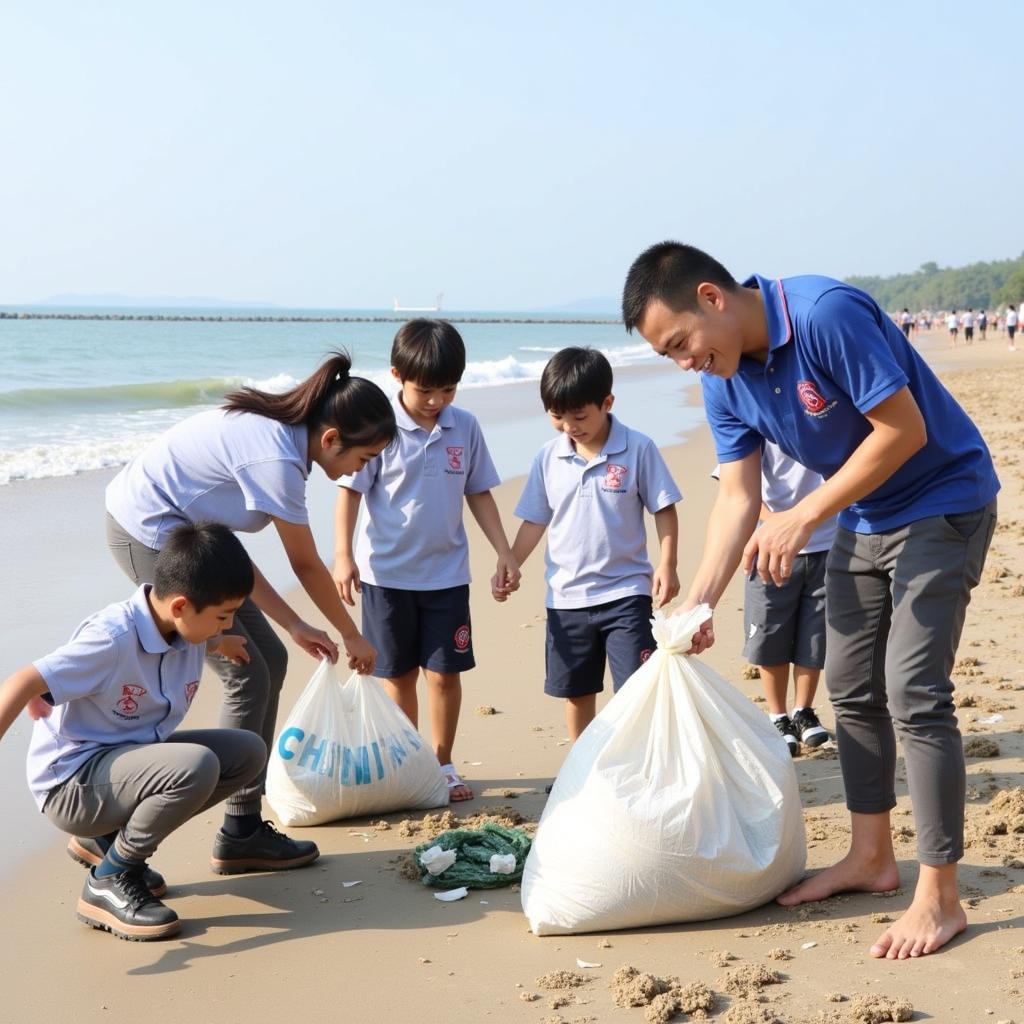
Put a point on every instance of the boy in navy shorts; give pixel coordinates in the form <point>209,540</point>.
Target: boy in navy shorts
<point>588,488</point>
<point>784,624</point>
<point>105,762</point>
<point>411,557</point>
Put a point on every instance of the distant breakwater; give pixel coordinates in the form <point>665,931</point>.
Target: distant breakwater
<point>251,319</point>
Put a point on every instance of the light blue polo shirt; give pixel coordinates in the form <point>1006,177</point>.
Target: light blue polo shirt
<point>594,512</point>
<point>116,681</point>
<point>833,355</point>
<point>238,469</point>
<point>410,534</point>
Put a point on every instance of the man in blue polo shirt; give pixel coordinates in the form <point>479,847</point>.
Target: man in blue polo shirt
<point>816,367</point>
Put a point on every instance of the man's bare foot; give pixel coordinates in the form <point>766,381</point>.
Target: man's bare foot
<point>934,917</point>
<point>853,873</point>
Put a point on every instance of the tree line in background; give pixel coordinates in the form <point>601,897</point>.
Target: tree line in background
<point>976,286</point>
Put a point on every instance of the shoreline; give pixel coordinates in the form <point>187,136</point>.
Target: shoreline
<point>254,941</point>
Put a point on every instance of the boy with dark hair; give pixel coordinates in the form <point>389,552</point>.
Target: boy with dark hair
<point>817,367</point>
<point>105,764</point>
<point>410,561</point>
<point>588,488</point>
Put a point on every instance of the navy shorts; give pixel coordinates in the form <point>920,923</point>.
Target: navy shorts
<point>579,640</point>
<point>418,629</point>
<point>786,625</point>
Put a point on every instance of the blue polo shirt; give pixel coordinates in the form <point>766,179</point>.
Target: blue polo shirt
<point>833,355</point>
<point>594,512</point>
<point>410,535</point>
<point>116,681</point>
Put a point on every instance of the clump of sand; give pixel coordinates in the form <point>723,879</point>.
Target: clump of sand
<point>749,1013</point>
<point>721,957</point>
<point>877,1009</point>
<point>778,953</point>
<point>430,826</point>
<point>981,746</point>
<point>749,980</point>
<point>750,672</point>
<point>486,709</point>
<point>662,998</point>
<point>555,980</point>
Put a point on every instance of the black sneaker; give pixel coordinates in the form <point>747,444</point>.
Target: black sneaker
<point>785,727</point>
<point>89,853</point>
<point>265,850</point>
<point>122,905</point>
<point>808,729</point>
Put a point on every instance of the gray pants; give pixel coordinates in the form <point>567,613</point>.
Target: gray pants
<point>147,790</point>
<point>251,691</point>
<point>895,609</point>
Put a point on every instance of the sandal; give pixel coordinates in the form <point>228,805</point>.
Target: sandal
<point>451,777</point>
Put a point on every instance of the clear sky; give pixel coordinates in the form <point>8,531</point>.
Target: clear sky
<point>513,155</point>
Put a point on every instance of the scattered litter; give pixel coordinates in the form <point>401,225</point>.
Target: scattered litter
<point>604,944</point>
<point>348,885</point>
<point>473,764</point>
<point>561,743</point>
<point>318,892</point>
<point>452,895</point>
<point>437,860</point>
<point>808,945</point>
<point>991,720</point>
<point>503,863</point>
<point>484,903</point>
<point>424,960</point>
<point>586,964</point>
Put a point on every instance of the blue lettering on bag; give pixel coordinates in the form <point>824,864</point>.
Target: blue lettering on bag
<point>289,734</point>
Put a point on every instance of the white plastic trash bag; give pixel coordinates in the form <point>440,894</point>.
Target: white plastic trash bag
<point>679,802</point>
<point>348,750</point>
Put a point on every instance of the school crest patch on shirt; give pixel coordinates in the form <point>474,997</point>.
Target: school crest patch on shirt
<point>455,457</point>
<point>810,396</point>
<point>615,476</point>
<point>128,705</point>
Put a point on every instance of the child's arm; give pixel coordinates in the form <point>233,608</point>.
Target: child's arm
<point>485,512</point>
<point>666,580</point>
<point>16,693</point>
<point>346,572</point>
<point>527,539</point>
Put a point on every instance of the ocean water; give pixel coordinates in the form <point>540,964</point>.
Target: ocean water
<point>77,395</point>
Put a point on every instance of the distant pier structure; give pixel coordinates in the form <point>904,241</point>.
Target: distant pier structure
<point>251,318</point>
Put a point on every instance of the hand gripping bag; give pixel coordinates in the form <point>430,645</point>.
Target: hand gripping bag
<point>679,802</point>
<point>348,750</point>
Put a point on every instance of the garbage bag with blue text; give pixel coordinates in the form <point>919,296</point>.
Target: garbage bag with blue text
<point>679,802</point>
<point>347,750</point>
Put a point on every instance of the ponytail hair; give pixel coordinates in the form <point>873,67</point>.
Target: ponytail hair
<point>330,397</point>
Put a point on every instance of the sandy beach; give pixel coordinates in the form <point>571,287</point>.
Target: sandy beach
<point>299,944</point>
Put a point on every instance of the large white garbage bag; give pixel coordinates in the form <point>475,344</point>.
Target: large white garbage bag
<point>679,802</point>
<point>348,750</point>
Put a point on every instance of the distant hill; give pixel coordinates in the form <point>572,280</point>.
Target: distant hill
<point>151,301</point>
<point>977,286</point>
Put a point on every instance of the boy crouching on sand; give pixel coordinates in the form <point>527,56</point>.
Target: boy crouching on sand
<point>106,765</point>
<point>589,487</point>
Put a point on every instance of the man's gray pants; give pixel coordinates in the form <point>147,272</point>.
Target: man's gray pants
<point>144,791</point>
<point>251,691</point>
<point>895,606</point>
